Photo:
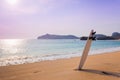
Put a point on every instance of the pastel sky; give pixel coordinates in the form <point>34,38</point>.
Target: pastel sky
<point>31,18</point>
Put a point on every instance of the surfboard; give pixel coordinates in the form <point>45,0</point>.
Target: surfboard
<point>86,49</point>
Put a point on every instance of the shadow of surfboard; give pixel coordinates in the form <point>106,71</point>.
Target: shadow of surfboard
<point>114,74</point>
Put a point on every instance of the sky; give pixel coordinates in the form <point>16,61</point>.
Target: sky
<point>28,19</point>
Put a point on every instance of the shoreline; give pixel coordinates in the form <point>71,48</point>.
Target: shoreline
<point>30,51</point>
<point>29,60</point>
<point>96,67</point>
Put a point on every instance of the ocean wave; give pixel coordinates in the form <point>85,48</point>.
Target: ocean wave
<point>15,60</point>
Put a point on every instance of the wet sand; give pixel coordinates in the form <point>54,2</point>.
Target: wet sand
<point>97,67</point>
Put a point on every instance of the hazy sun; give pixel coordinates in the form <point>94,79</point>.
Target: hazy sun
<point>12,2</point>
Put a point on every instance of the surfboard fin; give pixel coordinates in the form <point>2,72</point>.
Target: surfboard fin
<point>93,38</point>
<point>94,33</point>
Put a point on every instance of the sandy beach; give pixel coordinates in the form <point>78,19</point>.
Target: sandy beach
<point>97,67</point>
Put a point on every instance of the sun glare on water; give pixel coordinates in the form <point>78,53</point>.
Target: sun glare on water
<point>11,42</point>
<point>10,45</point>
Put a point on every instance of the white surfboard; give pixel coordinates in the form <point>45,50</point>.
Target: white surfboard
<point>86,49</point>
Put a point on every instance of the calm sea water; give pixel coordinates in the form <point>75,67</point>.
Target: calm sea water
<point>17,51</point>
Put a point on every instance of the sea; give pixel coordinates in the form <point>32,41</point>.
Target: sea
<point>21,51</point>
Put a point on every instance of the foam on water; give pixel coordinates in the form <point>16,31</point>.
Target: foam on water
<point>13,52</point>
<point>15,60</point>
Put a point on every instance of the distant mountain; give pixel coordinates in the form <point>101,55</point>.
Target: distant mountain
<point>83,38</point>
<point>100,36</point>
<point>52,36</point>
<point>104,37</point>
<point>116,35</point>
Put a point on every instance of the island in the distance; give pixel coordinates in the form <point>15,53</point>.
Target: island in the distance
<point>52,36</point>
<point>114,36</point>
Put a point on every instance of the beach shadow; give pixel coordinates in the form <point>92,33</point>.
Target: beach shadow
<point>115,74</point>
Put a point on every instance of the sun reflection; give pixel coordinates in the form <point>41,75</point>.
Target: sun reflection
<point>11,45</point>
<point>11,42</point>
